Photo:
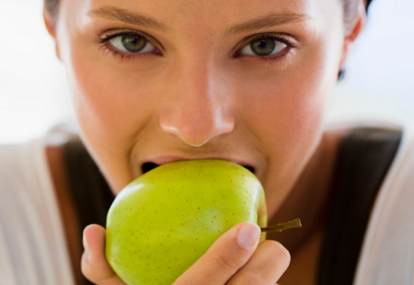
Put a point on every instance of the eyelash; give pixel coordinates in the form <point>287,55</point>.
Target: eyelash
<point>105,44</point>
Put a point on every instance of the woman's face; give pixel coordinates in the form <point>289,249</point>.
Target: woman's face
<point>240,80</point>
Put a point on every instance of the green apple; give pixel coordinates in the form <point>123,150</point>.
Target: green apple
<point>164,220</point>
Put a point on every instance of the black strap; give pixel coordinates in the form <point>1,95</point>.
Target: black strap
<point>89,190</point>
<point>364,158</point>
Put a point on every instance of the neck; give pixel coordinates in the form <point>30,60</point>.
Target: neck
<point>310,195</point>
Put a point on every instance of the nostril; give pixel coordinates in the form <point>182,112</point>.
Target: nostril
<point>147,166</point>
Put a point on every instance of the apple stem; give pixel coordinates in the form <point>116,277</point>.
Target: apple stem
<point>280,227</point>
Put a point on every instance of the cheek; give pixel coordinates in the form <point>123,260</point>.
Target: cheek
<point>110,107</point>
<point>104,96</point>
<point>287,107</point>
<point>286,111</point>
<point>287,118</point>
<point>290,128</point>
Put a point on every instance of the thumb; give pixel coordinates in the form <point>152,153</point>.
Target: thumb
<point>227,255</point>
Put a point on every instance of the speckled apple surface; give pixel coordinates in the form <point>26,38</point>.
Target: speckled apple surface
<point>163,221</point>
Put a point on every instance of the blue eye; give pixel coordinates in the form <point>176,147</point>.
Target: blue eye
<point>265,46</point>
<point>130,43</point>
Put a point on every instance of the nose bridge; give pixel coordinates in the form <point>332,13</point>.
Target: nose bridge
<point>198,108</point>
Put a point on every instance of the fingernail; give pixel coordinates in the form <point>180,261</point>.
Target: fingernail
<point>247,235</point>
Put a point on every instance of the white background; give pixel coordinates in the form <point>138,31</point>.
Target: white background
<point>34,95</point>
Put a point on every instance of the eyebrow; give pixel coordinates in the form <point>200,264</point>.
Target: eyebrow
<point>134,18</point>
<point>128,17</point>
<point>268,21</point>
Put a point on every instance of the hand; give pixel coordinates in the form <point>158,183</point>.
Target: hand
<point>237,257</point>
<point>232,259</point>
<point>93,264</point>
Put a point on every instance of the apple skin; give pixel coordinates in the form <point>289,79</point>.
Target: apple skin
<point>164,220</point>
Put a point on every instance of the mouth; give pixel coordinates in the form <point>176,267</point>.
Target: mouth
<point>148,166</point>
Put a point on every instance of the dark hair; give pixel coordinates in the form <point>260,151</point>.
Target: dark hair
<point>52,7</point>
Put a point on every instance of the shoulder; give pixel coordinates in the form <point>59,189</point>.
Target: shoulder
<point>363,148</point>
<point>30,225</point>
<point>389,235</point>
<point>365,155</point>
<point>22,166</point>
<point>399,181</point>
<point>56,142</point>
<point>407,143</point>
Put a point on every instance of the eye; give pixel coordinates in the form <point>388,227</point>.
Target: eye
<point>130,43</point>
<point>265,46</point>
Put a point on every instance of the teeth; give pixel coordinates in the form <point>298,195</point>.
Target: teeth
<point>147,166</point>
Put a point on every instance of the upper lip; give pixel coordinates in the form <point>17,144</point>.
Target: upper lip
<point>159,160</point>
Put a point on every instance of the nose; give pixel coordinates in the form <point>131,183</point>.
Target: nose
<point>198,106</point>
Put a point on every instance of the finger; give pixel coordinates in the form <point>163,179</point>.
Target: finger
<point>228,253</point>
<point>94,265</point>
<point>267,265</point>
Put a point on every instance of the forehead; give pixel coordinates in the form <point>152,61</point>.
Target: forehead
<point>202,7</point>
<point>214,13</point>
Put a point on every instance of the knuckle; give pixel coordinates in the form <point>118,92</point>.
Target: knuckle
<point>86,268</point>
<point>92,272</point>
<point>225,262</point>
<point>252,277</point>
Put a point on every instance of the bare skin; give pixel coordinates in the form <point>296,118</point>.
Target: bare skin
<point>199,91</point>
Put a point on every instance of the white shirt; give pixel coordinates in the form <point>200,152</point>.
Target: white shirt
<point>32,242</point>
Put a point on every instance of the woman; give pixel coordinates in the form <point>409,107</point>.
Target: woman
<point>158,81</point>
